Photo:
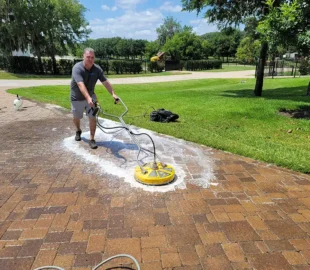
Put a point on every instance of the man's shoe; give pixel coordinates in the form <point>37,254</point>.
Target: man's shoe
<point>78,135</point>
<point>92,144</point>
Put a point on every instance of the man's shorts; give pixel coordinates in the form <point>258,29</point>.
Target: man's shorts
<point>78,108</point>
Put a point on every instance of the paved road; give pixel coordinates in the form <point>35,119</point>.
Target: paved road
<point>192,76</point>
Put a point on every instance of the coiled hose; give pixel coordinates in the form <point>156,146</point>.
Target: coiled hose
<point>98,265</point>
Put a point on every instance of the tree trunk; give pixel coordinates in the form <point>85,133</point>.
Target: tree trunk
<point>52,53</point>
<point>38,54</point>
<point>262,59</point>
<point>55,70</point>
<point>41,69</point>
<point>260,70</point>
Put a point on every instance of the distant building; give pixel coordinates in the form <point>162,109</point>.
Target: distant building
<point>290,55</point>
<point>21,53</point>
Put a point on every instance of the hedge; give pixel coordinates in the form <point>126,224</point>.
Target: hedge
<point>304,67</point>
<point>193,65</point>
<point>157,66</point>
<point>24,64</point>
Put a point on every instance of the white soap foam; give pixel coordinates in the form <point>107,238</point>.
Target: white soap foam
<point>123,160</point>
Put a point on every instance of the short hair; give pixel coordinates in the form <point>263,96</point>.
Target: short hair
<point>89,50</point>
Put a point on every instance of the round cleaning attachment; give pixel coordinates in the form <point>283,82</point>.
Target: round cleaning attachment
<point>154,174</point>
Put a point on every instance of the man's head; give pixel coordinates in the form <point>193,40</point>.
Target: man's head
<point>88,57</point>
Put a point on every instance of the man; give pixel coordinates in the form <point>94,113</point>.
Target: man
<point>85,75</point>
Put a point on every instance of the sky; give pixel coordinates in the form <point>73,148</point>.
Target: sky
<point>138,19</point>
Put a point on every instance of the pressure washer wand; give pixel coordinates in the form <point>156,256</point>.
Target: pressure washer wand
<point>151,173</point>
<point>97,109</point>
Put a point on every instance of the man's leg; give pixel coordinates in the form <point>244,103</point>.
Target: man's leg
<point>77,122</point>
<point>78,132</point>
<point>92,127</point>
<point>77,110</point>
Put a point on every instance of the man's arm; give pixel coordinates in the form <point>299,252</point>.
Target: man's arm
<point>109,87</point>
<point>85,93</point>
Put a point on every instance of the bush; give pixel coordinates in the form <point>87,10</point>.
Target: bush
<point>193,65</point>
<point>23,64</point>
<point>126,66</point>
<point>65,66</point>
<point>156,66</point>
<point>104,65</point>
<point>3,62</point>
<point>47,65</point>
<point>304,67</point>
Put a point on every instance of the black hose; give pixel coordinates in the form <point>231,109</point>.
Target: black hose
<point>126,128</point>
<point>139,134</point>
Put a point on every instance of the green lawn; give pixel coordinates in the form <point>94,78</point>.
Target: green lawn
<point>221,113</point>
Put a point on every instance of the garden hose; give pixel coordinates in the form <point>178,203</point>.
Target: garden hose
<point>98,265</point>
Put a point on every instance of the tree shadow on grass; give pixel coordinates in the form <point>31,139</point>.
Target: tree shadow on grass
<point>283,93</point>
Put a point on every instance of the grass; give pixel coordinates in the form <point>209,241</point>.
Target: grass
<point>12,76</point>
<point>221,113</point>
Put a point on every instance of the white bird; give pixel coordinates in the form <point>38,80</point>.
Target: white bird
<point>18,103</point>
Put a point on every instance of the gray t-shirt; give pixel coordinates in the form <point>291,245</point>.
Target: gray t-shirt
<point>89,77</point>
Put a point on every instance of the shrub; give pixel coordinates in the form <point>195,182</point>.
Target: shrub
<point>47,65</point>
<point>193,65</point>
<point>126,66</point>
<point>65,66</point>
<point>104,65</point>
<point>156,66</point>
<point>3,62</point>
<point>23,64</point>
<point>304,67</point>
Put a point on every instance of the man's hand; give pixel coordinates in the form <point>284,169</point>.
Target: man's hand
<point>116,99</point>
<point>90,102</point>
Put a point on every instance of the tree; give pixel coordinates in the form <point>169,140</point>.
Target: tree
<point>233,12</point>
<point>184,45</point>
<point>206,49</point>
<point>50,27</point>
<point>212,39</point>
<point>139,47</point>
<point>251,24</point>
<point>287,25</point>
<point>167,30</point>
<point>224,43</point>
<point>151,49</point>
<point>115,47</point>
<point>248,50</point>
<point>66,26</point>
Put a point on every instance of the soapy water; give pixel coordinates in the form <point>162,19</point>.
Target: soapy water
<point>117,154</point>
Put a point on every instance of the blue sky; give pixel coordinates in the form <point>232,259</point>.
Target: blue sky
<point>138,19</point>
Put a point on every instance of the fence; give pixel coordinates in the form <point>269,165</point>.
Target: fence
<point>281,68</point>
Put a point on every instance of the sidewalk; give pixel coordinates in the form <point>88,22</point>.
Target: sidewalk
<point>60,208</point>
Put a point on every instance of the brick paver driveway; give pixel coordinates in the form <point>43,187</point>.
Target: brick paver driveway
<point>58,208</point>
